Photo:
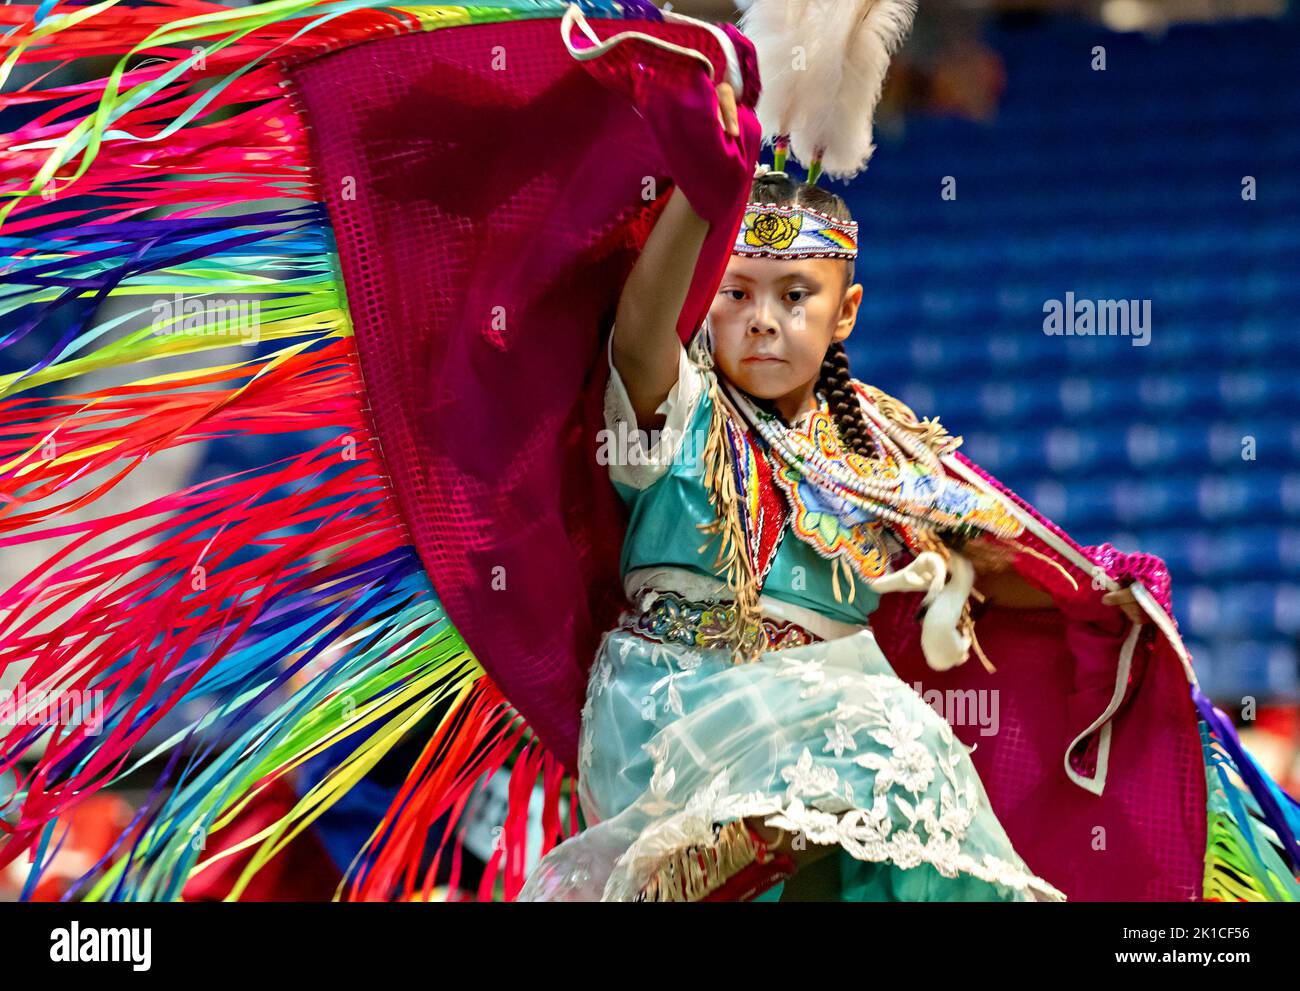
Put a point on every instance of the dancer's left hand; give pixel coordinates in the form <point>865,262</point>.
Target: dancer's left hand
<point>1126,601</point>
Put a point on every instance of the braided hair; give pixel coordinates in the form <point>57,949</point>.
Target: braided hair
<point>836,384</point>
<point>835,381</point>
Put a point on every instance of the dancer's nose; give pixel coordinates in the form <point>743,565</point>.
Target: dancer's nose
<point>762,321</point>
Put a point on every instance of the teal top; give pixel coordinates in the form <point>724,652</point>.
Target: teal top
<point>663,486</point>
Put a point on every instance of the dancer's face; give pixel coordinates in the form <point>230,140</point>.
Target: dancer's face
<point>774,318</point>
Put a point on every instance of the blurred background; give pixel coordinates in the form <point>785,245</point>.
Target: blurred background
<point>1031,151</point>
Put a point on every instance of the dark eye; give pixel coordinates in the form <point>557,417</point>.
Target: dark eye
<point>798,292</point>
<point>736,294</point>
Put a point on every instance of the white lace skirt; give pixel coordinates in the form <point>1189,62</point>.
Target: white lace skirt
<point>823,740</point>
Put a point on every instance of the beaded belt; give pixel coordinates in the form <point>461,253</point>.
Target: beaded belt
<point>672,618</point>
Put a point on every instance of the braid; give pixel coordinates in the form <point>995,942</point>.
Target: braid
<point>837,384</point>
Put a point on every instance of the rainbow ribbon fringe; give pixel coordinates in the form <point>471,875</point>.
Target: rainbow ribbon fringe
<point>281,609</point>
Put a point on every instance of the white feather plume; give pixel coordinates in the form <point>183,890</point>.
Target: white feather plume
<point>822,64</point>
<point>776,29</point>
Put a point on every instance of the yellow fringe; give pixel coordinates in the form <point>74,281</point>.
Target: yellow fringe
<point>928,540</point>
<point>688,875</point>
<point>966,626</point>
<point>840,563</point>
<point>928,431</point>
<point>720,483</point>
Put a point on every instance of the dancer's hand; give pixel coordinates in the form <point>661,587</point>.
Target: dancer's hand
<point>1125,599</point>
<point>727,115</point>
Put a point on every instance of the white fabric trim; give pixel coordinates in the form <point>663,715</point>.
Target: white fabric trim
<point>632,463</point>
<point>640,582</point>
<point>734,76</point>
<point>1097,784</point>
<point>942,644</point>
<point>573,14</point>
<point>1166,626</point>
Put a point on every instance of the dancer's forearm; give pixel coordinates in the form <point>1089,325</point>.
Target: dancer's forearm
<point>1004,586</point>
<point>646,345</point>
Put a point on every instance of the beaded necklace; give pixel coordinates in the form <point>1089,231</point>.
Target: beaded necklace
<point>891,487</point>
<point>905,486</point>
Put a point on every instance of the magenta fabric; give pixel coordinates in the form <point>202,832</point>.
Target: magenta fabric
<point>1144,837</point>
<point>486,221</point>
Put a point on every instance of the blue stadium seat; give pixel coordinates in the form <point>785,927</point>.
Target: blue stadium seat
<point>1123,184</point>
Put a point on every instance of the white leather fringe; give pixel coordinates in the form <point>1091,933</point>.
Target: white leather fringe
<point>943,644</point>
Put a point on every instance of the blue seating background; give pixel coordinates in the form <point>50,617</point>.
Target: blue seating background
<point>1126,184</point>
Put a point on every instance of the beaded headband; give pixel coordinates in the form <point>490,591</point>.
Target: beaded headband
<point>772,231</point>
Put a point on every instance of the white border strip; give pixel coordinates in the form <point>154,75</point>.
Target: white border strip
<point>734,76</point>
<point>1098,783</point>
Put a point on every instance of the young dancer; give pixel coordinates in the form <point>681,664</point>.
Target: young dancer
<point>817,747</point>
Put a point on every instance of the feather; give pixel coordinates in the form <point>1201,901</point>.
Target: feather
<point>827,60</point>
<point>777,31</point>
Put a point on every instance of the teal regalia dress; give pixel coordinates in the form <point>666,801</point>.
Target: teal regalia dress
<point>818,736</point>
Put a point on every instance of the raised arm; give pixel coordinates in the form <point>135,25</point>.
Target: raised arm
<point>646,346</point>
